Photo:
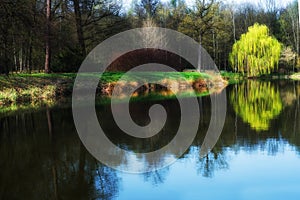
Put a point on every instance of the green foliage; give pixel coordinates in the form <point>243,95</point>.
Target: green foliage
<point>257,103</point>
<point>257,52</point>
<point>212,23</point>
<point>25,95</point>
<point>68,60</point>
<point>231,77</point>
<point>33,88</point>
<point>200,21</point>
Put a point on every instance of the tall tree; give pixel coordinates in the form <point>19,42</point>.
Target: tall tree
<point>200,20</point>
<point>178,10</point>
<point>200,24</point>
<point>92,20</point>
<point>48,39</point>
<point>79,27</point>
<point>150,7</point>
<point>246,15</point>
<point>268,14</point>
<point>256,52</point>
<point>290,27</point>
<point>299,12</point>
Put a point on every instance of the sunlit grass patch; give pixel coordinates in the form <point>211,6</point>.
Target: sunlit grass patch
<point>25,95</point>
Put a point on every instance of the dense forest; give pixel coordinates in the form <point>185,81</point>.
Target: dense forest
<point>56,35</point>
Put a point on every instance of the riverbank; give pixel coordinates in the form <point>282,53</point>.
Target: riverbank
<point>234,78</point>
<point>21,92</point>
<point>34,88</point>
<point>46,89</point>
<point>295,76</point>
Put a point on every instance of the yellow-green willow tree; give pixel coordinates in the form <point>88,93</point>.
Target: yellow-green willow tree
<point>257,103</point>
<point>256,52</point>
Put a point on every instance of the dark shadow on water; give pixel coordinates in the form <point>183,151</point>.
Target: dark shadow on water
<point>43,158</point>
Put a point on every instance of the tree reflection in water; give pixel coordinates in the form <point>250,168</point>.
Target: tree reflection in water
<point>156,177</point>
<point>43,158</point>
<point>257,103</point>
<point>212,162</point>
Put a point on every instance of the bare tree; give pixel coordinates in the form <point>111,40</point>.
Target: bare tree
<point>151,37</point>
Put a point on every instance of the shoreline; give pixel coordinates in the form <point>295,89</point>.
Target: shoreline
<point>20,90</point>
<point>30,91</point>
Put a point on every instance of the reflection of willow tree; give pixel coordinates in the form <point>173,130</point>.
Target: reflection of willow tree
<point>257,103</point>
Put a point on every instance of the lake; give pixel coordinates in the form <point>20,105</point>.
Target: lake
<point>257,155</point>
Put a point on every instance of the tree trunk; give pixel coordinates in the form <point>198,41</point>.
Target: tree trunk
<point>6,62</point>
<point>233,24</point>
<point>30,56</point>
<point>299,11</point>
<point>200,53</point>
<point>48,33</point>
<point>79,27</point>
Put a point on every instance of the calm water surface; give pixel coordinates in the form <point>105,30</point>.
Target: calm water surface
<point>256,157</point>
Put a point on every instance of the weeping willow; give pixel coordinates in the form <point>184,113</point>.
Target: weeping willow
<point>256,52</point>
<point>257,103</point>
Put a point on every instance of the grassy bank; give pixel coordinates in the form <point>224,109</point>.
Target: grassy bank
<point>232,77</point>
<point>43,88</point>
<point>33,88</point>
<point>40,88</point>
<point>32,91</point>
<point>295,76</point>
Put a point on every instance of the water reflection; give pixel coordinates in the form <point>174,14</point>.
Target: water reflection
<point>43,158</point>
<point>213,161</point>
<point>257,103</point>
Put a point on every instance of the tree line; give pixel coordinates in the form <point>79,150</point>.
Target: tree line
<point>56,35</point>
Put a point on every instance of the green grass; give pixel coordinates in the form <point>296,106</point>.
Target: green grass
<point>109,77</point>
<point>31,88</point>
<point>232,77</point>
<point>21,92</point>
<point>41,87</point>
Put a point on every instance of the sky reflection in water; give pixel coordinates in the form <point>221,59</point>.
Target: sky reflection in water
<point>246,163</point>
